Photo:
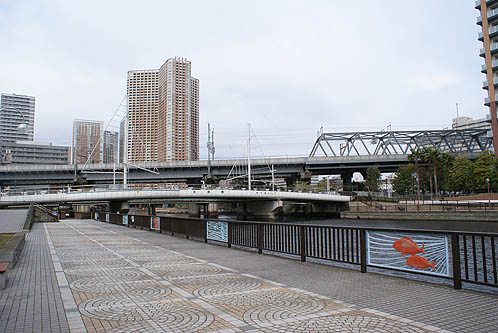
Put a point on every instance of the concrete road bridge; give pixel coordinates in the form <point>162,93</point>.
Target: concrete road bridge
<point>257,203</point>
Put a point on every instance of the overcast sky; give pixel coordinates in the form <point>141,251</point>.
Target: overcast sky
<point>287,67</point>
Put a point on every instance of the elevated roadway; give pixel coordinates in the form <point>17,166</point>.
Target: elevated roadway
<point>193,172</point>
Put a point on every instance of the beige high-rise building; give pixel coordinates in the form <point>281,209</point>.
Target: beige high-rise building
<point>163,113</point>
<point>142,115</point>
<point>87,141</point>
<point>488,20</point>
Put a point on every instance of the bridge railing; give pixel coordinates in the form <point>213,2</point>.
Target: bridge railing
<point>373,206</point>
<point>467,258</point>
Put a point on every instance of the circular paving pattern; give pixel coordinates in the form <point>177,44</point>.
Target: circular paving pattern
<point>276,298</point>
<point>89,270</point>
<point>170,260</point>
<point>357,324</point>
<point>185,270</point>
<point>149,258</point>
<point>170,317</point>
<point>285,307</point>
<point>227,286</point>
<point>91,285</point>
<point>104,283</point>
<point>114,308</point>
<point>146,291</point>
<point>76,256</point>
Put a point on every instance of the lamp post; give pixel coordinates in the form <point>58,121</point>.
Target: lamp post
<point>22,127</point>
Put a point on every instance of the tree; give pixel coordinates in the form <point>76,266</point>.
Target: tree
<point>403,181</point>
<point>482,170</point>
<point>301,186</point>
<point>415,155</point>
<point>461,174</point>
<point>443,171</point>
<point>433,157</point>
<point>372,179</point>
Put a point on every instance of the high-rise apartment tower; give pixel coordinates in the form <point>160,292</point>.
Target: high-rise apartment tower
<point>110,147</point>
<point>163,113</point>
<point>87,141</point>
<point>11,108</point>
<point>489,37</point>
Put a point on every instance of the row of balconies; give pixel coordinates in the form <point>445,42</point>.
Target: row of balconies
<point>493,47</point>
<point>488,2</point>
<point>492,14</point>
<point>493,31</point>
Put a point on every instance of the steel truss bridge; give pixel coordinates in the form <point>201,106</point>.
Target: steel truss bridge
<point>470,142</point>
<point>332,153</point>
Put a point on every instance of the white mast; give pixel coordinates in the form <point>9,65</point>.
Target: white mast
<point>249,157</point>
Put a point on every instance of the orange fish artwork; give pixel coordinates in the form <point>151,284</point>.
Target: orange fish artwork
<point>418,262</point>
<point>407,246</point>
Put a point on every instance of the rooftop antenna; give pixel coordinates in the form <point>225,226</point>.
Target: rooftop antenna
<point>457,109</point>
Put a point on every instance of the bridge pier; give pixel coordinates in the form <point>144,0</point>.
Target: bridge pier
<point>207,210</point>
<point>347,184</point>
<point>270,209</point>
<point>119,207</point>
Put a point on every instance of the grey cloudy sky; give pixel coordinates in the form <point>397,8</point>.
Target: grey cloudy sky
<point>287,67</point>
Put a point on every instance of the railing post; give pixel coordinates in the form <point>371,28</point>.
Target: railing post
<point>302,241</point>
<point>186,228</point>
<point>259,229</point>
<point>363,251</point>
<point>205,231</point>
<point>229,235</point>
<point>455,253</point>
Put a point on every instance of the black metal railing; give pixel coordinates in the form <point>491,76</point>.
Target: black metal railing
<point>472,257</point>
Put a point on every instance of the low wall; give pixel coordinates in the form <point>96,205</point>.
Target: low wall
<point>425,216</point>
<point>11,251</point>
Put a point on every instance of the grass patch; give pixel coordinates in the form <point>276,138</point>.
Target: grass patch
<point>4,238</point>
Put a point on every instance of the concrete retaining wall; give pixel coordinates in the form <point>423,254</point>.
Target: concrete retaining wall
<point>425,216</point>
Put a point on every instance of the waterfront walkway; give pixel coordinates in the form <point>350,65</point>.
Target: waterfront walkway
<point>83,275</point>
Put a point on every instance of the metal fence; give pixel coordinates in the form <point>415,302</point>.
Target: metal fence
<point>422,206</point>
<point>469,257</point>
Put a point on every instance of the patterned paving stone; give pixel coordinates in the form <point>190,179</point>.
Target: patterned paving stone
<point>130,285</point>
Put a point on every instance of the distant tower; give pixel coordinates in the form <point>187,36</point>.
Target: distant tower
<point>163,113</point>
<point>87,138</point>
<point>142,115</point>
<point>10,119</point>
<point>488,19</point>
<point>111,147</point>
<point>122,140</point>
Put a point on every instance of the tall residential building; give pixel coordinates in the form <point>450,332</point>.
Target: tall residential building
<point>87,141</point>
<point>111,147</point>
<point>489,37</point>
<point>163,113</point>
<point>122,140</point>
<point>142,90</point>
<point>10,119</point>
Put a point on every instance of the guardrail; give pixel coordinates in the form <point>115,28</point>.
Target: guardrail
<point>467,257</point>
<point>423,206</point>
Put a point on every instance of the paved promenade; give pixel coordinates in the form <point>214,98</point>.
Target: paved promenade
<point>91,276</point>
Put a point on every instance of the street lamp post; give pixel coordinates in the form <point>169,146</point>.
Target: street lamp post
<point>22,127</point>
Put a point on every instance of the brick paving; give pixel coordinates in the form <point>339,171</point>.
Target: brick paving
<point>107,278</point>
<point>32,301</point>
